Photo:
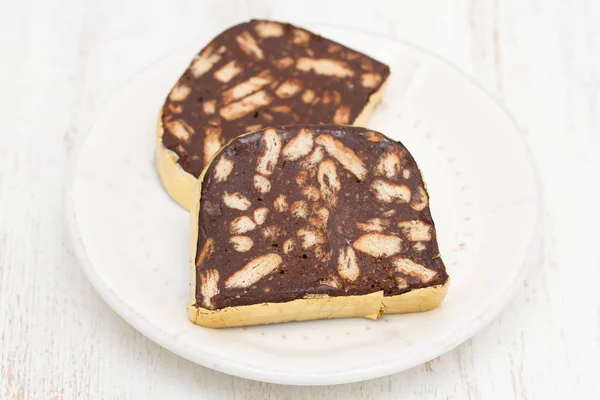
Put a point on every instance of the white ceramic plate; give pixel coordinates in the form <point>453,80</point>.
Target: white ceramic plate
<point>133,239</point>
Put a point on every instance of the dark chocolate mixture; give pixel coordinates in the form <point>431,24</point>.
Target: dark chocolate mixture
<point>260,74</point>
<point>314,270</point>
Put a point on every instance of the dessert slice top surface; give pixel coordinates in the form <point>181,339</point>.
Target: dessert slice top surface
<point>310,210</point>
<point>259,74</point>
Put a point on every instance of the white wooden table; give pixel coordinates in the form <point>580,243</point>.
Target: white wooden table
<point>61,61</point>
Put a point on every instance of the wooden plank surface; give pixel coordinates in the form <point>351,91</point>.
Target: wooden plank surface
<point>62,60</point>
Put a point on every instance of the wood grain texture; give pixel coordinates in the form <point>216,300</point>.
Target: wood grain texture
<point>62,61</point>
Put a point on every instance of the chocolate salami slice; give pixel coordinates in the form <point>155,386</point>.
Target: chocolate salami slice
<point>255,75</point>
<point>312,221</point>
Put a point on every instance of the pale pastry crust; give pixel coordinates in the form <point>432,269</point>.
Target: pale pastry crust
<point>370,306</point>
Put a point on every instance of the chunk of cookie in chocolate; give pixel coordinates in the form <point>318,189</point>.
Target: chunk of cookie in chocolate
<point>312,210</point>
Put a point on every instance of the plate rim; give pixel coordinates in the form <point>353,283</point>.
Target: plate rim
<point>164,339</point>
